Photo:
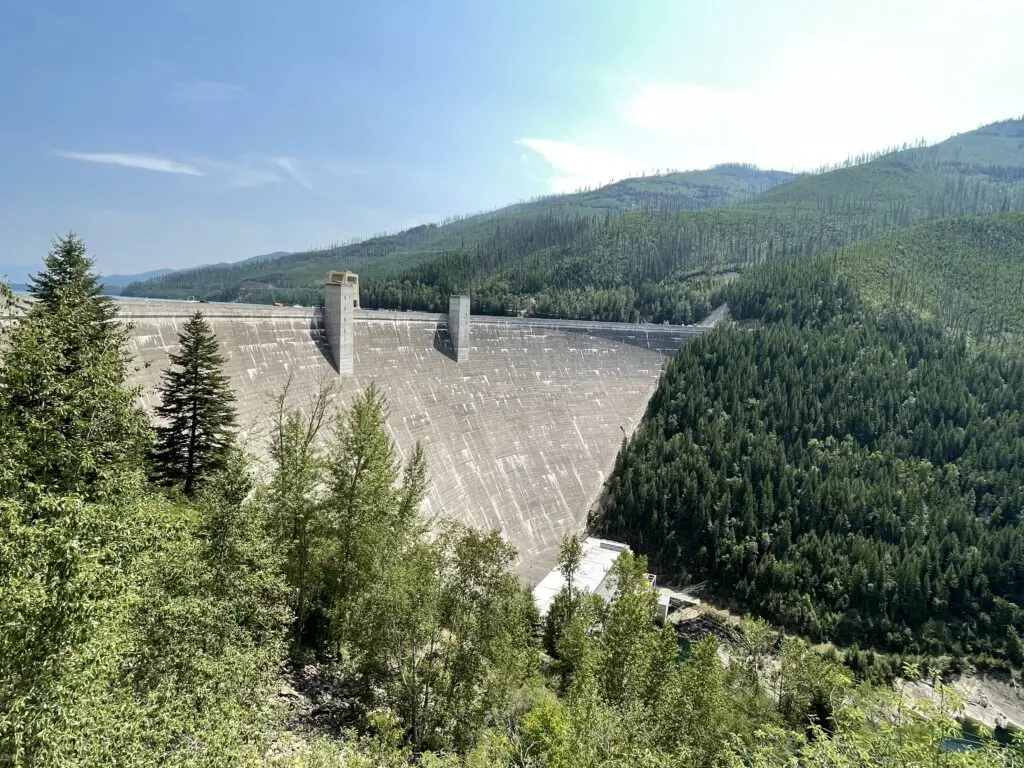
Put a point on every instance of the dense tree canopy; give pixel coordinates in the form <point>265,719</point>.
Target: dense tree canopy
<point>130,629</point>
<point>853,475</point>
<point>150,629</point>
<point>68,419</point>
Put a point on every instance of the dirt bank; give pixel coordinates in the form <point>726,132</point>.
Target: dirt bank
<point>988,700</point>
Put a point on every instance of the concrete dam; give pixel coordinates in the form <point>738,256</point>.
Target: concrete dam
<point>520,418</point>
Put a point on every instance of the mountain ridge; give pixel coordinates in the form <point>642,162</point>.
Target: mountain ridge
<point>642,249</point>
<point>686,190</point>
<point>17,275</point>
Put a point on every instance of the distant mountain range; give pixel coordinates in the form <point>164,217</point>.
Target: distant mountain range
<point>18,274</point>
<point>119,281</point>
<point>649,248</point>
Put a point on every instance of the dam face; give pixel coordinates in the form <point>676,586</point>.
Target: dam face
<point>519,435</point>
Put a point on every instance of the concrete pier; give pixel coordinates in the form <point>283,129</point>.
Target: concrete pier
<point>458,326</point>
<point>340,301</point>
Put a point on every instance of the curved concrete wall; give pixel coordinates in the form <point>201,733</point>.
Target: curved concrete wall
<point>518,437</point>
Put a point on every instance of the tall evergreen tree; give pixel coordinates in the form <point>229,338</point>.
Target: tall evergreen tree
<point>69,420</point>
<point>68,276</point>
<point>197,406</point>
<point>71,438</point>
<point>296,510</point>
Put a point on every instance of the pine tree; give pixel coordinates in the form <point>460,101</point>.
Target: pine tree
<point>71,440</point>
<point>566,603</point>
<point>197,406</point>
<point>67,276</point>
<point>69,420</point>
<point>1014,646</point>
<point>364,506</point>
<point>295,509</point>
<point>68,282</point>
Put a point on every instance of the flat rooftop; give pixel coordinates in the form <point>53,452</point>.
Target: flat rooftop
<point>599,555</point>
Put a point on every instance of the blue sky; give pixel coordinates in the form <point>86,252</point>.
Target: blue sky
<point>181,132</point>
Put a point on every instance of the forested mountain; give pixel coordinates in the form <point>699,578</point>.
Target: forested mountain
<point>115,283</point>
<point>296,276</point>
<point>631,251</point>
<point>965,272</point>
<point>972,173</point>
<point>851,473</point>
<point>993,149</point>
<point>673,191</point>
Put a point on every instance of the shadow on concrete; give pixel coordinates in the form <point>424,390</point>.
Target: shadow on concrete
<point>663,342</point>
<point>318,336</point>
<point>443,341</point>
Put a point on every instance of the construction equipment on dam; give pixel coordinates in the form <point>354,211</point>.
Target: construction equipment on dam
<point>521,418</point>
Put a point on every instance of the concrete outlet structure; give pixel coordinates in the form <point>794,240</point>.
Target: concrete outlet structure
<point>340,302</point>
<point>519,436</point>
<point>458,326</point>
<point>594,576</point>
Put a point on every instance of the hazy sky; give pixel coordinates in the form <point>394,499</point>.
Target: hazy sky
<point>178,132</point>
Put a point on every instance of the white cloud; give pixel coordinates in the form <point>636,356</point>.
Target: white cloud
<point>289,165</point>
<point>837,90</point>
<point>578,166</point>
<point>801,116</point>
<point>247,172</point>
<point>127,160</point>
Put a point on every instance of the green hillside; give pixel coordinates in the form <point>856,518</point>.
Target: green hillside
<point>979,172</point>
<point>641,265</point>
<point>993,147</point>
<point>296,277</point>
<point>966,272</point>
<point>303,611</point>
<point>852,473</point>
<point>643,249</point>
<point>688,191</point>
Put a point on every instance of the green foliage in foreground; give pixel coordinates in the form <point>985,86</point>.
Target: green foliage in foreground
<point>141,629</point>
<point>127,641</point>
<point>852,475</point>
